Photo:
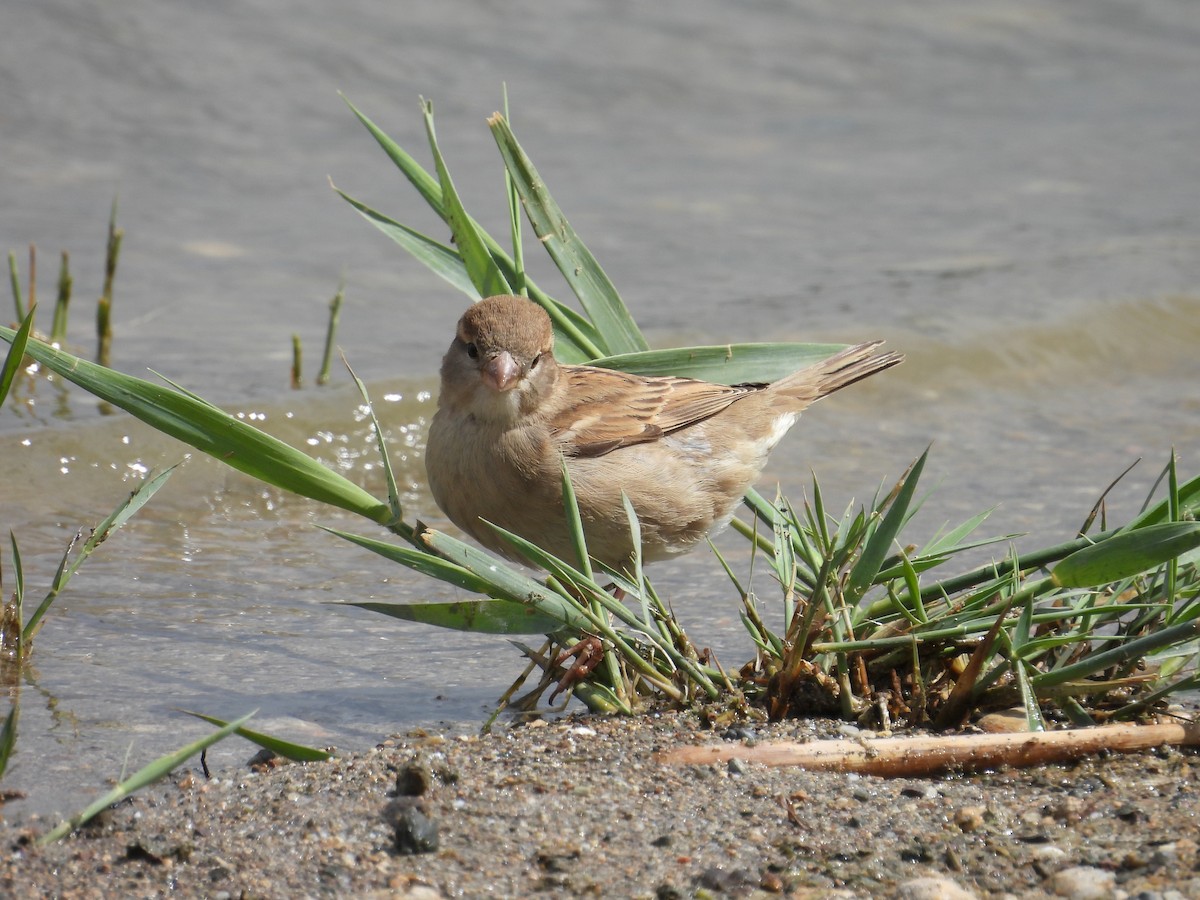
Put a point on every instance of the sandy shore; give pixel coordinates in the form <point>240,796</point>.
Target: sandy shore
<point>580,807</point>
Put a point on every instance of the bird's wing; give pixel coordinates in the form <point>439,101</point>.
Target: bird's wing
<point>604,409</point>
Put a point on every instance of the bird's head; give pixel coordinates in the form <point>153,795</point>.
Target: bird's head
<point>501,363</point>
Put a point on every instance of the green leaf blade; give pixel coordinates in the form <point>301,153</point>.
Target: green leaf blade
<point>16,353</point>
<point>724,364</point>
<point>1126,554</point>
<point>419,561</point>
<point>485,274</point>
<point>479,616</point>
<point>576,263</point>
<point>876,549</point>
<point>438,258</point>
<point>278,746</point>
<point>8,738</point>
<point>506,582</point>
<point>144,776</point>
<point>210,430</point>
<point>427,186</point>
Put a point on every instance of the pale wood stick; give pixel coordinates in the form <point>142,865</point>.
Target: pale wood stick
<point>917,756</point>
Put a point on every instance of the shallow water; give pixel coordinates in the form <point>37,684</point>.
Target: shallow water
<point>1005,192</point>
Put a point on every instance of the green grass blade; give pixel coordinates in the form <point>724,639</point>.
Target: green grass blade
<point>737,584</point>
<point>126,510</point>
<point>1187,683</point>
<point>913,583</point>
<point>783,560</point>
<point>944,545</point>
<point>505,581</point>
<point>8,738</point>
<point>381,443</point>
<point>724,364</point>
<point>1173,513</point>
<point>574,523</point>
<point>419,561</point>
<point>18,578</point>
<point>335,311</point>
<point>1029,699</point>
<point>179,387</point>
<point>1185,501</point>
<point>439,258</point>
<point>16,353</point>
<point>208,429</point>
<point>563,571</point>
<point>639,571</point>
<point>1173,510</point>
<point>923,560</point>
<point>144,776</point>
<point>517,280</point>
<point>1021,632</point>
<point>471,263</point>
<point>58,326</point>
<point>576,263</point>
<point>118,517</point>
<point>1126,554</point>
<point>14,278</point>
<point>576,340</point>
<point>278,746</point>
<point>877,546</point>
<point>485,274</point>
<point>427,186</point>
<point>1122,653</point>
<point>480,616</point>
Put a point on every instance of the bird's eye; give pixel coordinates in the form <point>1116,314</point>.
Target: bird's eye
<point>472,351</point>
<point>537,359</point>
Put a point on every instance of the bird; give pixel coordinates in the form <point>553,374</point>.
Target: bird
<point>683,451</point>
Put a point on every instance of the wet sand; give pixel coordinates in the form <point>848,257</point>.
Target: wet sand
<point>580,807</point>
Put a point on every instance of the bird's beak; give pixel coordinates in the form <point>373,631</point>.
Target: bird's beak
<point>501,372</point>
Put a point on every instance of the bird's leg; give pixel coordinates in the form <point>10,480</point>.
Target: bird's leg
<point>588,652</point>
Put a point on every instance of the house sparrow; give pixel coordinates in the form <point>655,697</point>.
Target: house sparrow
<point>684,451</point>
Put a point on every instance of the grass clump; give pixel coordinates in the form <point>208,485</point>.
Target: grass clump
<point>1097,628</point>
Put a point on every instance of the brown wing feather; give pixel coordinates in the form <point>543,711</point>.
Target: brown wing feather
<point>606,409</point>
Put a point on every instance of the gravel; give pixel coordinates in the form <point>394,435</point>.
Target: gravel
<point>579,807</point>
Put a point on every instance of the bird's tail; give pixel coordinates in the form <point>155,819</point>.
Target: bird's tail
<point>843,368</point>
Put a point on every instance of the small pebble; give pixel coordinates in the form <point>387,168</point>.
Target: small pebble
<point>726,881</point>
<point>739,733</point>
<point>932,888</point>
<point>1181,852</point>
<point>262,760</point>
<point>771,883</point>
<point>1048,853</point>
<point>419,892</point>
<point>969,818</point>
<point>414,831</point>
<point>923,791</point>
<point>1083,883</point>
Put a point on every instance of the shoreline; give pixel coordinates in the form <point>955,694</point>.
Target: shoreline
<point>580,806</point>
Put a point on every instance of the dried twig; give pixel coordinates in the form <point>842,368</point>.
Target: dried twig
<point>917,756</point>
